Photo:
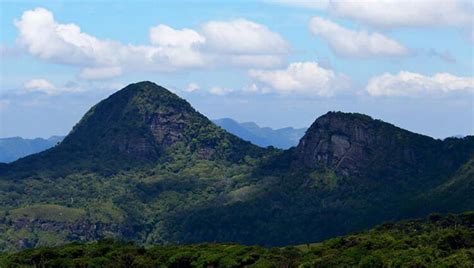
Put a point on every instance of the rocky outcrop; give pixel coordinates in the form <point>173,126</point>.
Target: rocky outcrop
<point>81,230</point>
<point>352,144</point>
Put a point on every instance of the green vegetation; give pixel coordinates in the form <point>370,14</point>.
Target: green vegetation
<point>438,241</point>
<point>47,213</point>
<point>143,165</point>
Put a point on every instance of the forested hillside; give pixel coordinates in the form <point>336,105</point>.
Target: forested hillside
<point>143,165</point>
<point>438,241</point>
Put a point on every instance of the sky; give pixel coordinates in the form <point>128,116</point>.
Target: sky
<point>278,63</point>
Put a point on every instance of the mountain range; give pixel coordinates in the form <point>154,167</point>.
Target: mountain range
<point>143,165</point>
<point>282,138</point>
<point>14,148</point>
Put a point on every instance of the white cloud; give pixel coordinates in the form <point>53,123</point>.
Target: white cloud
<point>350,43</point>
<point>100,72</point>
<point>414,84</point>
<point>46,87</point>
<point>242,37</point>
<point>65,43</point>
<point>192,87</point>
<point>220,91</point>
<point>395,13</point>
<point>306,78</point>
<point>252,88</point>
<point>244,43</point>
<point>163,35</point>
<point>40,85</point>
<point>405,13</point>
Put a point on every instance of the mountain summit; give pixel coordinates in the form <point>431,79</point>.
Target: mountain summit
<point>138,125</point>
<point>356,144</point>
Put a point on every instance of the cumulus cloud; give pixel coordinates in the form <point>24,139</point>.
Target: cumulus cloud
<point>47,39</point>
<point>350,43</point>
<point>395,13</point>
<point>253,88</point>
<point>306,78</point>
<point>405,13</point>
<point>243,43</point>
<point>64,43</point>
<point>192,87</point>
<point>220,91</point>
<point>41,85</point>
<point>100,72</point>
<point>242,37</point>
<point>163,35</point>
<point>48,88</point>
<point>414,84</point>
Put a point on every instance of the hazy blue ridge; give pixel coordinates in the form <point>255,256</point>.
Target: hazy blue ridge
<point>13,148</point>
<point>282,138</point>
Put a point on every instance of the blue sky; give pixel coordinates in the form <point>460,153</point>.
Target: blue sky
<point>278,63</point>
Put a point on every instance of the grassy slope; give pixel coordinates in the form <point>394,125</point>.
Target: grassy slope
<point>440,241</point>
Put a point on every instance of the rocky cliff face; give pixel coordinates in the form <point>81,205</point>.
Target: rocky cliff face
<point>352,144</point>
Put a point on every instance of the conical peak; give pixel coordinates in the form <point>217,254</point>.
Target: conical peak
<point>138,125</point>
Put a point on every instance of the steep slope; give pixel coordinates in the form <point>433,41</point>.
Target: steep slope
<point>454,195</point>
<point>357,145</point>
<point>133,160</point>
<point>137,126</point>
<point>348,173</point>
<point>16,147</point>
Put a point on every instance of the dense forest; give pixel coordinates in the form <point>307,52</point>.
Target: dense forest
<point>143,165</point>
<point>438,241</point>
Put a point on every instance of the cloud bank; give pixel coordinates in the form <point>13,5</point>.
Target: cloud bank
<point>302,78</point>
<point>350,43</point>
<point>416,85</point>
<point>240,42</point>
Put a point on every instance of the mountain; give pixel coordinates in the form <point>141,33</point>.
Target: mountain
<point>438,241</point>
<point>282,138</point>
<point>357,145</point>
<point>349,172</point>
<point>14,148</point>
<point>143,165</point>
<point>140,125</point>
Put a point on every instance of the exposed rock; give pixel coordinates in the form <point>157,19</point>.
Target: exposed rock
<point>351,143</point>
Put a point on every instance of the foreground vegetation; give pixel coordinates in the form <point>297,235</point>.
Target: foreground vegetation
<point>438,241</point>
